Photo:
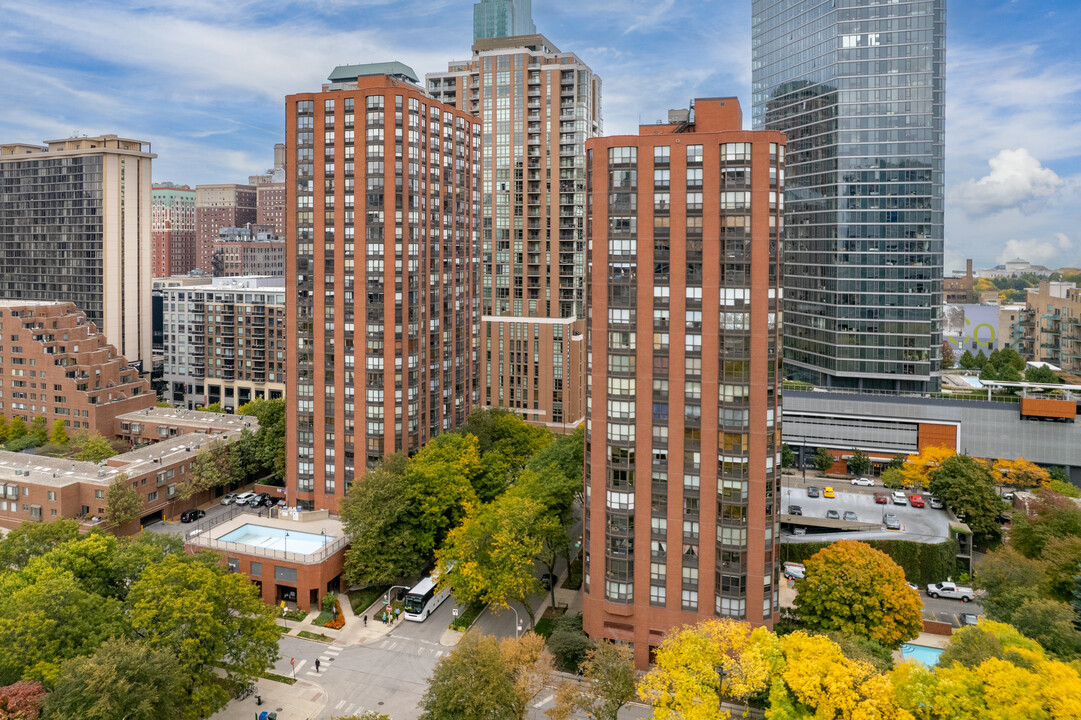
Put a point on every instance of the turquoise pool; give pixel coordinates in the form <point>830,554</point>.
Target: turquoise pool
<point>292,541</point>
<point>921,653</point>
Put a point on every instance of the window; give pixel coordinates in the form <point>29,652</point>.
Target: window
<point>690,599</point>
<point>256,569</point>
<point>99,494</point>
<point>152,496</point>
<point>656,593</point>
<point>234,565</point>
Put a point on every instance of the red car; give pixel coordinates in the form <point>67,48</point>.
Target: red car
<point>915,500</point>
<point>882,498</point>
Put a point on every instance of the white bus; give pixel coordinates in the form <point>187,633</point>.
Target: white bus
<point>422,600</point>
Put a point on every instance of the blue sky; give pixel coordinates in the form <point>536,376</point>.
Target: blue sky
<point>204,81</point>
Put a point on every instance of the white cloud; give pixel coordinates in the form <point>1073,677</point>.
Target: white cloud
<point>1017,180</point>
<point>1036,251</point>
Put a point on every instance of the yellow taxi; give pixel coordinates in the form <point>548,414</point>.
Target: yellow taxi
<point>827,492</point>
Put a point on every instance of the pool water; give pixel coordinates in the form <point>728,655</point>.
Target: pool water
<point>292,541</point>
<point>921,653</point>
<point>974,382</point>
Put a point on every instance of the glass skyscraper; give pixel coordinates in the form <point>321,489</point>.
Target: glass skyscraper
<point>502,18</point>
<point>859,88</point>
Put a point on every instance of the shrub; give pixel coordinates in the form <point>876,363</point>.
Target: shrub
<point>923,563</point>
<point>330,601</point>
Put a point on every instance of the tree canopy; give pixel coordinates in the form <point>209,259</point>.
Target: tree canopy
<point>966,485</point>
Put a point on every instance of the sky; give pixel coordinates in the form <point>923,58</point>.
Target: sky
<point>204,81</point>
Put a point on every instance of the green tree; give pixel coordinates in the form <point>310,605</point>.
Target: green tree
<point>31,540</point>
<point>823,459</point>
<point>122,679</point>
<point>863,649</point>
<point>968,360</point>
<point>211,620</point>
<point>381,524</point>
<point>212,467</point>
<point>1061,557</point>
<point>556,492</point>
<point>893,478</point>
<point>439,486</point>
<point>981,360</point>
<point>568,643</point>
<point>16,429</point>
<point>483,679</point>
<point>269,440</point>
<point>1042,374</point>
<point>609,675</point>
<point>966,485</point>
<point>788,457</point>
<point>89,558</point>
<point>897,462</point>
<point>971,647</point>
<point>3,428</point>
<point>93,447</point>
<point>859,463</point>
<point>489,558</point>
<point>123,503</point>
<point>851,587</point>
<point>948,355</point>
<point>1049,516</point>
<point>566,451</point>
<point>1051,624</point>
<point>38,431</point>
<point>59,434</point>
<point>214,407</point>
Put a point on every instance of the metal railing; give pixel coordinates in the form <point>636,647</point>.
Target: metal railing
<point>196,535</point>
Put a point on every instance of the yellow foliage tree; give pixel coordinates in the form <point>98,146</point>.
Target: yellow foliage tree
<point>818,676</point>
<point>983,284</point>
<point>698,666</point>
<point>1020,472</point>
<point>917,467</point>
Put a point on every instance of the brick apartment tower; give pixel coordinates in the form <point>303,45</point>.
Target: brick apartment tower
<point>217,207</point>
<point>270,206</point>
<point>538,106</point>
<point>683,393</point>
<point>382,228</point>
<point>173,224</point>
<point>75,225</point>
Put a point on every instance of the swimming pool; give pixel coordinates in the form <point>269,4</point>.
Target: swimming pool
<point>292,541</point>
<point>921,653</point>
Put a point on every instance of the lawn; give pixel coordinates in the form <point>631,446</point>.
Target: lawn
<point>361,600</point>
<point>312,636</point>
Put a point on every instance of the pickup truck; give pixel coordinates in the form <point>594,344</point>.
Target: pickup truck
<point>951,590</point>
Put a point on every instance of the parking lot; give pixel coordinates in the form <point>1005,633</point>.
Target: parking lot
<point>918,524</point>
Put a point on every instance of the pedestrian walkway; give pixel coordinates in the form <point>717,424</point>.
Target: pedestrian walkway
<point>354,632</point>
<point>303,700</point>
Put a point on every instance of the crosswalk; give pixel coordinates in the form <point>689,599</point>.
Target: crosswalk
<point>329,654</point>
<point>421,648</point>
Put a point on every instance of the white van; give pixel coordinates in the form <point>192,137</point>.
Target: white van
<point>794,570</point>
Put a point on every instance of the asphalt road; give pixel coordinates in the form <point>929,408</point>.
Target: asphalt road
<point>919,524</point>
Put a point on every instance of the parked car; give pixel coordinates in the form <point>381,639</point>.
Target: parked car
<point>851,516</point>
<point>799,531</point>
<point>891,522</point>
<point>794,571</point>
<point>812,492</point>
<point>864,482</point>
<point>951,590</point>
<point>228,499</point>
<point>244,498</point>
<point>916,501</point>
<point>191,516</point>
<point>935,502</point>
<point>260,500</point>
<point>833,515</point>
<point>899,498</point>
<point>281,503</point>
<point>968,619</point>
<point>912,587</point>
<point>547,580</point>
<point>1008,496</point>
<point>882,498</point>
<point>827,492</point>
<point>795,510</point>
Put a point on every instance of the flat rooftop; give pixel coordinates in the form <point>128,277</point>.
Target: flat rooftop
<point>208,421</point>
<point>265,531</point>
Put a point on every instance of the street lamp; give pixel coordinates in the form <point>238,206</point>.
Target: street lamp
<point>517,621</point>
<point>285,543</point>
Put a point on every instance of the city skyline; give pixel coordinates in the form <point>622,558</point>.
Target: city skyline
<point>205,83</point>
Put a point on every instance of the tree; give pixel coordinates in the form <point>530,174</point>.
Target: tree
<point>1042,374</point>
<point>381,525</point>
<point>3,428</point>
<point>555,492</point>
<point>38,431</point>
<point>948,355</point>
<point>1049,515</point>
<point>859,463</point>
<point>123,503</point>
<point>1061,557</point>
<point>965,485</point>
<point>863,649</point>
<point>823,459</point>
<point>917,468</point>
<point>968,360</point>
<point>212,467</point>
<point>214,407</point>
<point>93,447</point>
<point>1019,472</point>
<point>211,620</point>
<point>489,558</point>
<point>483,679</point>
<point>1051,624</point>
<point>609,680</point>
<point>439,486</point>
<point>16,429</point>
<point>851,587</point>
<point>788,457</point>
<point>568,644</point>
<point>697,666</point>
<point>122,679</point>
<point>893,478</point>
<point>566,451</point>
<point>970,646</point>
<point>1008,578</point>
<point>981,360</point>
<point>269,440</point>
<point>31,540</point>
<point>21,701</point>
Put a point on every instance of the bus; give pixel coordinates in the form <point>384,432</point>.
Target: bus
<point>422,600</point>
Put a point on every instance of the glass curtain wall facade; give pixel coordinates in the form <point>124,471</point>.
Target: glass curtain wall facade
<point>858,86</point>
<point>383,243</point>
<point>502,18</point>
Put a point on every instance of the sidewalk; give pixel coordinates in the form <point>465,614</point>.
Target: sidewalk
<point>302,700</point>
<point>354,632</point>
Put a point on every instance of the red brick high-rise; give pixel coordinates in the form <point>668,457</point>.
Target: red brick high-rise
<point>683,394</point>
<point>217,207</point>
<point>382,270</point>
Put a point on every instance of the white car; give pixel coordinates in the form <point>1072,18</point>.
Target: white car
<point>935,502</point>
<point>899,498</point>
<point>243,498</point>
<point>864,481</point>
